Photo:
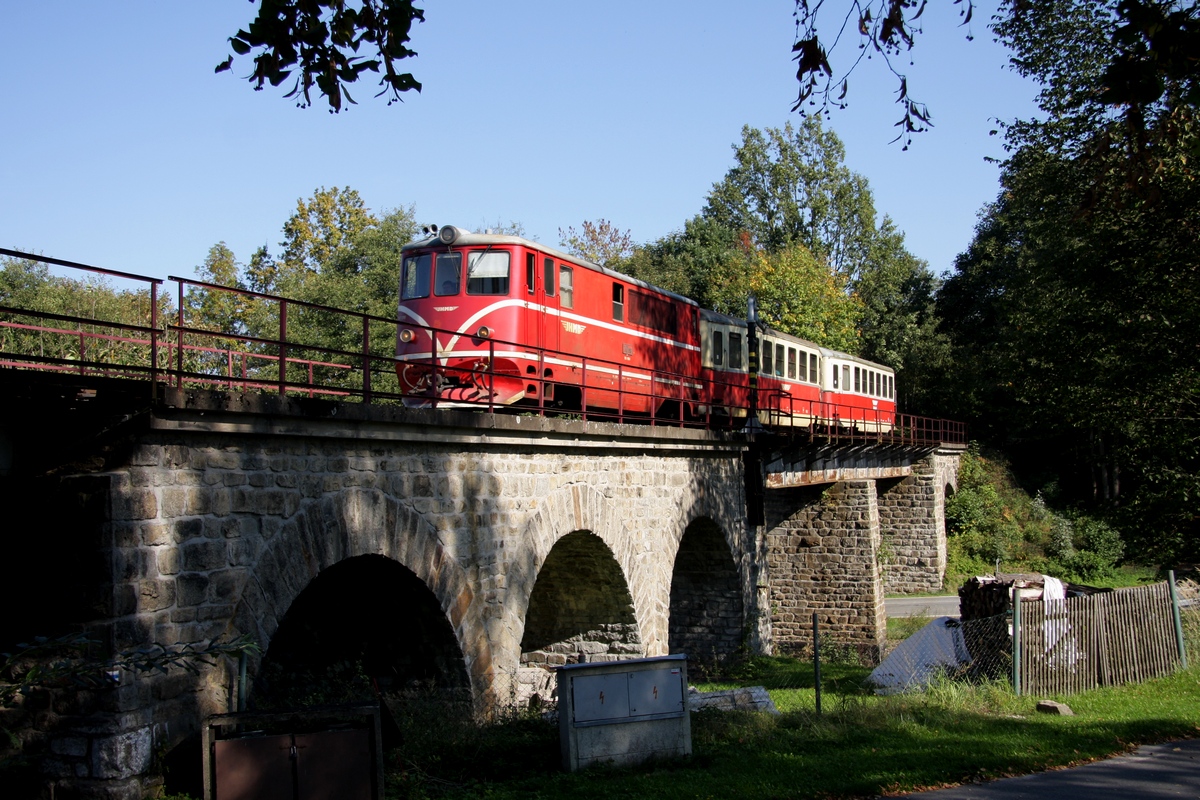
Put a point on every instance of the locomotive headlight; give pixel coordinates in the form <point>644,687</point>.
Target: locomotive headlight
<point>484,332</point>
<point>407,336</point>
<point>448,234</point>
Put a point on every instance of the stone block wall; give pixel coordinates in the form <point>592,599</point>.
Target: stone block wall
<point>913,526</point>
<point>822,557</point>
<point>212,532</point>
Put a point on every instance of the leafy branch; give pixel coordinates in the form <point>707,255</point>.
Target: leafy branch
<point>321,38</point>
<point>887,28</point>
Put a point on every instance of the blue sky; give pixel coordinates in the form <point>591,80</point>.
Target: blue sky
<point>121,148</point>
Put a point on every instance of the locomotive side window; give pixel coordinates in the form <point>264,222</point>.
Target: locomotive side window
<point>718,348</point>
<point>530,272</point>
<point>415,283</point>
<point>618,296</point>
<point>447,274</point>
<point>767,347</point>
<point>735,350</point>
<point>548,276</point>
<point>813,375</point>
<point>653,312</point>
<point>566,286</point>
<point>778,360</point>
<point>791,372</point>
<point>487,272</point>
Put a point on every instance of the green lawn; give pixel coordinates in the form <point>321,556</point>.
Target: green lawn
<point>862,746</point>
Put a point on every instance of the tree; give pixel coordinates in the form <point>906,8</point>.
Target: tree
<point>1145,56</point>
<point>790,186</point>
<point>321,39</point>
<point>797,293</point>
<point>1075,314</point>
<point>600,242</point>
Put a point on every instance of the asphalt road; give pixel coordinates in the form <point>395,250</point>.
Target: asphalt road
<point>944,606</point>
<point>1153,772</point>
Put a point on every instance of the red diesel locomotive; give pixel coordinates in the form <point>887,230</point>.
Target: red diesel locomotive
<point>504,321</point>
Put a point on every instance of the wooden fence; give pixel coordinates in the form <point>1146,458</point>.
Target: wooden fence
<point>1106,639</point>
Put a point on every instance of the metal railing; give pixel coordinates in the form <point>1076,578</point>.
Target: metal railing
<point>272,343</point>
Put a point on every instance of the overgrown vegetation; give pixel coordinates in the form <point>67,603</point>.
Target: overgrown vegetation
<point>991,520</point>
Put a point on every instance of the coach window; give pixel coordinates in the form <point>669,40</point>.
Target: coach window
<point>891,393</point>
<point>718,348</point>
<point>735,350</point>
<point>779,361</point>
<point>857,384</point>
<point>791,372</point>
<point>813,375</point>
<point>767,348</point>
<point>530,272</point>
<point>548,276</point>
<point>835,376</point>
<point>415,283</point>
<point>447,274</point>
<point>845,377</point>
<point>566,286</point>
<point>487,272</point>
<point>618,302</point>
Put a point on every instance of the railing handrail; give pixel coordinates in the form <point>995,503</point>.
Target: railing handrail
<point>827,419</point>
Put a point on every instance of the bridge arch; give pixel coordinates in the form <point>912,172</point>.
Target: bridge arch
<point>707,612</point>
<point>322,538</point>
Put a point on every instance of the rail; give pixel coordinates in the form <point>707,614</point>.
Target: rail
<point>211,336</point>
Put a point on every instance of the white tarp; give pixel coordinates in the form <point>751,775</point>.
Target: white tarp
<point>922,657</point>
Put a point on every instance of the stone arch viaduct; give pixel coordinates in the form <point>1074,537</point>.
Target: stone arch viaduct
<point>524,541</point>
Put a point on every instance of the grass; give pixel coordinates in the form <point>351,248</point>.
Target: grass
<point>862,746</point>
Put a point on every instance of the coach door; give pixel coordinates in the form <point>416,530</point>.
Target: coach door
<point>542,325</point>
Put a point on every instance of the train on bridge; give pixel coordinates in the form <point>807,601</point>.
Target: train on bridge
<point>504,321</point>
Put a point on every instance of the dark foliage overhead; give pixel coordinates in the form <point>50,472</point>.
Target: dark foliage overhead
<point>320,41</point>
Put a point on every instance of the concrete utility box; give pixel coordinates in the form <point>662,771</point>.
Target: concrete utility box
<point>623,711</point>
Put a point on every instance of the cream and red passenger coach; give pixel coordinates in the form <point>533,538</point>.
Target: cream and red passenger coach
<point>501,320</point>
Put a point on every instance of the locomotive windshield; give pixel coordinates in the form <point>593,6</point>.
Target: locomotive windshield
<point>487,272</point>
<point>446,275</point>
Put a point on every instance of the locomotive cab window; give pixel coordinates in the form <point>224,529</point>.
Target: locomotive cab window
<point>735,350</point>
<point>566,286</point>
<point>487,272</point>
<point>548,276</point>
<point>718,348</point>
<point>447,274</point>
<point>618,300</point>
<point>530,272</point>
<point>415,282</point>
